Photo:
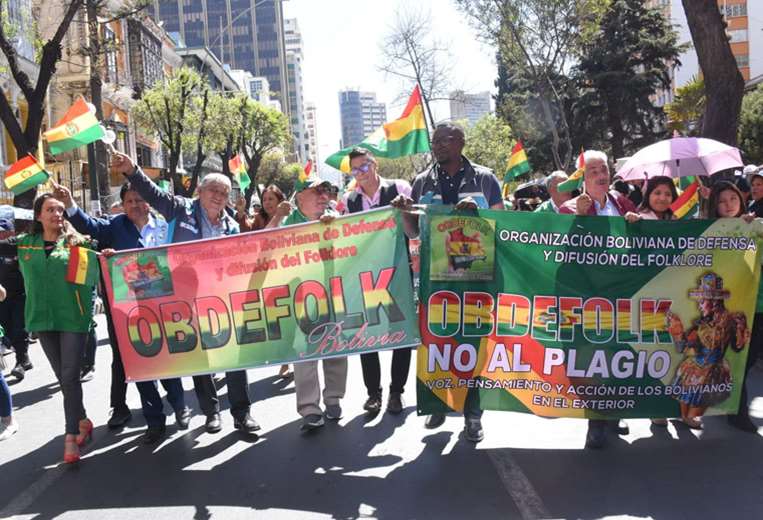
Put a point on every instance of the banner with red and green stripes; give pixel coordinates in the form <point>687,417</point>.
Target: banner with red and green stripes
<point>566,316</point>
<point>298,293</point>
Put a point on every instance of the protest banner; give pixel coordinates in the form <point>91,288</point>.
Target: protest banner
<point>567,316</point>
<point>277,296</point>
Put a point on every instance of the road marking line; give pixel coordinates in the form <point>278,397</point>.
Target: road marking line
<point>518,486</point>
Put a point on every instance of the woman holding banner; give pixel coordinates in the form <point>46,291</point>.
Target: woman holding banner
<point>660,195</point>
<point>57,310</point>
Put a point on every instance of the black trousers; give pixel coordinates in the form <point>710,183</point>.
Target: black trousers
<point>401,363</point>
<point>238,393</point>
<point>756,338</point>
<point>12,320</point>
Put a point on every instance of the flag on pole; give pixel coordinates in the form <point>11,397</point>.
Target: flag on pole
<point>304,176</point>
<point>575,180</point>
<point>687,204</point>
<point>404,136</point>
<point>78,127</point>
<point>83,266</point>
<point>24,175</point>
<point>237,167</point>
<point>518,163</point>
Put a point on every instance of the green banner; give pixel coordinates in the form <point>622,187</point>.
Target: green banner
<point>302,292</point>
<point>566,316</point>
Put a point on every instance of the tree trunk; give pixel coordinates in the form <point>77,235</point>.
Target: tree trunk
<point>724,85</point>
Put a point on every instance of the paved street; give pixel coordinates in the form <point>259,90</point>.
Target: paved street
<point>388,467</point>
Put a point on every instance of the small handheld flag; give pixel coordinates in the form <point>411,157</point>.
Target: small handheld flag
<point>518,163</point>
<point>575,180</point>
<point>238,169</point>
<point>78,127</point>
<point>304,175</point>
<point>83,266</point>
<point>685,206</point>
<point>24,175</point>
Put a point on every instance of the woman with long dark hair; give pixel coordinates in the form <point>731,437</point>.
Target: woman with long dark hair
<point>58,311</point>
<point>272,196</point>
<point>660,194</point>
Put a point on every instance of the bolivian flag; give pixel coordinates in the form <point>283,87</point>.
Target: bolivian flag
<point>518,163</point>
<point>238,169</point>
<point>404,136</point>
<point>576,179</point>
<point>686,205</point>
<point>24,175</point>
<point>304,176</point>
<point>78,127</point>
<point>83,266</point>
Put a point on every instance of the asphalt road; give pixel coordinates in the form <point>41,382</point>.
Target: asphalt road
<point>385,467</point>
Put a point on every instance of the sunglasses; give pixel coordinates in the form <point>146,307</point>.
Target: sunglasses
<point>363,168</point>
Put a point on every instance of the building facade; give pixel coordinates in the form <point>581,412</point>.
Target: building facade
<point>471,107</point>
<point>311,125</point>
<point>247,34</point>
<point>360,115</point>
<point>295,88</point>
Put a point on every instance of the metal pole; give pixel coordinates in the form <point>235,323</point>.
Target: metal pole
<point>95,200</point>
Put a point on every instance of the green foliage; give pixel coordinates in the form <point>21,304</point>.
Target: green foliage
<point>404,168</point>
<point>263,129</point>
<point>751,126</point>
<point>275,170</point>
<point>489,143</point>
<point>624,64</point>
<point>688,106</point>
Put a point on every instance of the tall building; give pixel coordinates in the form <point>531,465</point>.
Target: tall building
<point>744,19</point>
<point>295,91</point>
<point>311,125</point>
<point>471,107</point>
<point>247,34</point>
<point>360,114</point>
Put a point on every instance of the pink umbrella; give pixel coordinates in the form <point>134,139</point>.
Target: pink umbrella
<point>680,157</point>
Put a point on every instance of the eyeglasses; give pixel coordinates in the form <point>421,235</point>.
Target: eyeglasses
<point>363,168</point>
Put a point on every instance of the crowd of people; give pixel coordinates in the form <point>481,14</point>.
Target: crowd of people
<point>38,300</point>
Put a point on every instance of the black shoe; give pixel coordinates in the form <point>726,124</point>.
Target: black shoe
<point>742,422</point>
<point>246,424</point>
<point>395,403</point>
<point>26,364</point>
<point>18,372</point>
<point>596,436</point>
<point>619,426</point>
<point>183,418</point>
<point>153,434</point>
<point>473,430</point>
<point>373,404</point>
<point>119,417</point>
<point>87,373</point>
<point>213,424</point>
<point>434,421</point>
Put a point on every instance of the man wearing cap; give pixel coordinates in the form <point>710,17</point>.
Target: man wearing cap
<point>135,228</point>
<point>557,198</point>
<point>373,191</point>
<point>312,203</point>
<point>453,180</point>
<point>12,308</point>
<point>196,219</point>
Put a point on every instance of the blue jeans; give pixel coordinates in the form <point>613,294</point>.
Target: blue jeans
<point>6,403</point>
<point>151,401</point>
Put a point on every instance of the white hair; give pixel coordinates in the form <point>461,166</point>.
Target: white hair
<point>558,174</point>
<point>215,178</point>
<point>596,155</point>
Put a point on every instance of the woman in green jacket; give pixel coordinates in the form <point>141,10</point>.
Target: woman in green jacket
<point>57,310</point>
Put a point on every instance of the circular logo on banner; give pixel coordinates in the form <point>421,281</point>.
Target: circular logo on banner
<point>71,129</point>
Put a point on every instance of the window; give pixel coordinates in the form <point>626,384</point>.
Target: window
<point>738,35</point>
<point>110,44</point>
<point>733,10</point>
<point>743,60</point>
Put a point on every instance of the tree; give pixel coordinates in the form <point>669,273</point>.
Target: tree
<point>410,52</point>
<point>626,62</point>
<point>405,168</point>
<point>263,130</point>
<point>225,130</point>
<point>751,126</point>
<point>25,139</point>
<point>686,111</point>
<point>533,55</point>
<point>170,108</point>
<point>724,85</point>
<point>275,170</point>
<point>489,142</point>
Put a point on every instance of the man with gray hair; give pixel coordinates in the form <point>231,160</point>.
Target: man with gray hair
<point>195,219</point>
<point>557,197</point>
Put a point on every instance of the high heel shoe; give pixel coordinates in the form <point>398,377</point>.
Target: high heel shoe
<point>85,431</point>
<point>71,450</point>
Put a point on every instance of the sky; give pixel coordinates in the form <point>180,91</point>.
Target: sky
<point>341,41</point>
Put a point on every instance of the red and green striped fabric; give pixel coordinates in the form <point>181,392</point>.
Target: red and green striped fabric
<point>83,266</point>
<point>78,127</point>
<point>24,175</point>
